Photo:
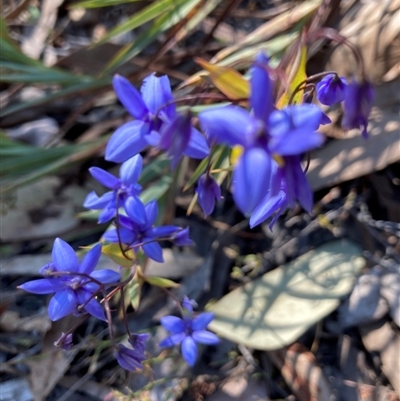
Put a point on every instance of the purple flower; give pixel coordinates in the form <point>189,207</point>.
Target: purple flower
<point>64,342</point>
<point>138,342</point>
<point>175,136</point>
<point>132,358</point>
<point>357,106</point>
<point>208,192</point>
<point>72,290</point>
<point>122,189</point>
<point>188,331</point>
<point>331,89</point>
<point>181,237</point>
<point>141,235</point>
<point>263,134</point>
<point>152,108</point>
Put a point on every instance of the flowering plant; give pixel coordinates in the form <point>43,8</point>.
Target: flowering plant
<point>269,137</point>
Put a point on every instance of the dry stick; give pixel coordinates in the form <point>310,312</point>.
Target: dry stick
<point>124,315</point>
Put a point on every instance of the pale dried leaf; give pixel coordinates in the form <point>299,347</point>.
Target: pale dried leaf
<point>49,367</point>
<point>276,309</point>
<point>352,157</point>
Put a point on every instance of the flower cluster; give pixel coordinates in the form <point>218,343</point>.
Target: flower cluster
<point>267,179</point>
<point>188,331</point>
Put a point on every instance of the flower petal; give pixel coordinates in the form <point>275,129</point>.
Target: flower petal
<point>172,340</point>
<point>43,286</point>
<point>130,97</point>
<point>201,321</point>
<point>126,236</point>
<point>106,276</point>
<point>230,124</point>
<point>104,177</point>
<point>197,148</point>
<point>153,250</point>
<point>128,359</point>
<point>131,169</point>
<point>90,260</point>
<point>295,142</point>
<point>92,307</point>
<point>156,92</point>
<point>173,324</point>
<point>251,179</point>
<point>304,193</point>
<point>175,136</point>
<point>127,141</point>
<point>189,350</point>
<point>62,304</point>
<point>205,337</point>
<point>162,231</point>
<point>92,201</point>
<point>261,91</point>
<point>107,214</point>
<point>208,192</point>
<point>135,209</point>
<point>151,212</point>
<point>64,257</point>
<point>266,208</point>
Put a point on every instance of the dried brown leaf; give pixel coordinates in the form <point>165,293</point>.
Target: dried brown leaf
<point>49,367</point>
<point>381,338</point>
<point>302,373</point>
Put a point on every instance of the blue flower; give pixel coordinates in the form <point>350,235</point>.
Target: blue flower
<point>143,235</point>
<point>70,290</point>
<point>265,134</point>
<point>65,342</point>
<point>181,237</point>
<point>357,106</point>
<point>152,108</point>
<point>188,331</point>
<point>125,188</point>
<point>132,358</point>
<point>331,89</point>
<point>208,192</point>
<point>175,136</point>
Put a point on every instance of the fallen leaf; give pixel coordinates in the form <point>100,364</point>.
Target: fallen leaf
<point>227,80</point>
<point>241,388</point>
<point>176,264</point>
<point>302,373</point>
<point>381,338</point>
<point>276,309</point>
<point>352,157</point>
<point>365,303</point>
<point>49,367</point>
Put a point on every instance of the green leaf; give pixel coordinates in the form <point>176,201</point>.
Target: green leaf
<point>156,190</point>
<point>275,310</point>
<point>113,251</point>
<point>100,3</point>
<point>218,154</point>
<point>147,14</point>
<point>181,9</point>
<point>68,91</point>
<point>161,282</point>
<point>134,290</point>
<point>154,169</point>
